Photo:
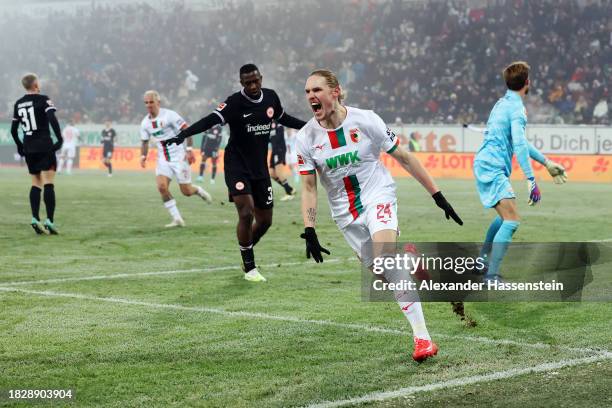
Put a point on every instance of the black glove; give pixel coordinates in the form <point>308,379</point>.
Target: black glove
<point>465,125</point>
<point>57,145</point>
<point>448,209</point>
<point>312,245</point>
<point>20,150</point>
<point>178,139</point>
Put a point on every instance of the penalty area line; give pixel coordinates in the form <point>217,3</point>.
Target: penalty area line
<point>293,319</point>
<point>462,382</point>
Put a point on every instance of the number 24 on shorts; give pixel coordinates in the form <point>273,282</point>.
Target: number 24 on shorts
<point>383,212</point>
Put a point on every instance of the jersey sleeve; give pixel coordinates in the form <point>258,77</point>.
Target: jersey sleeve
<point>278,107</point>
<point>178,123</point>
<point>49,106</point>
<point>226,110</point>
<point>15,115</point>
<point>382,135</point>
<point>144,134</point>
<point>306,164</point>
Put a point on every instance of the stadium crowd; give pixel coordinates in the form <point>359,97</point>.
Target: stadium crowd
<point>412,61</point>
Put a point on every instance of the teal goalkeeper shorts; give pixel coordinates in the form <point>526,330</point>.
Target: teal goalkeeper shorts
<point>492,183</point>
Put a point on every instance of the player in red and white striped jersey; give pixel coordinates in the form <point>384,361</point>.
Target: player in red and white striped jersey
<point>173,160</point>
<point>343,145</point>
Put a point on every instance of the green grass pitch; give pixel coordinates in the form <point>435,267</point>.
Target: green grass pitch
<point>201,336</point>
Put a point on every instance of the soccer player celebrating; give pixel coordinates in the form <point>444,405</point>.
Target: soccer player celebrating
<point>278,160</point>
<point>172,161</point>
<point>344,144</point>
<point>210,148</point>
<point>35,113</point>
<point>71,136</point>
<point>108,145</point>
<point>249,113</point>
<point>505,137</point>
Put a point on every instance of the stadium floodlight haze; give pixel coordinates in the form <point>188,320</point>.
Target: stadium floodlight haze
<point>270,203</point>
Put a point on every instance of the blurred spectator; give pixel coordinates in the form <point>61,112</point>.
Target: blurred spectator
<point>435,61</point>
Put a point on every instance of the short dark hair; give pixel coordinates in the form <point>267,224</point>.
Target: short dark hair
<point>516,75</point>
<point>248,68</point>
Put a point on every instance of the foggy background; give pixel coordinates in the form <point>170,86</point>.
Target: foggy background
<point>413,61</point>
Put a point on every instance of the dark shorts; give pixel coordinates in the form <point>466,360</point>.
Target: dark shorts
<point>38,162</point>
<point>260,189</point>
<point>277,158</point>
<point>214,153</point>
<point>107,152</point>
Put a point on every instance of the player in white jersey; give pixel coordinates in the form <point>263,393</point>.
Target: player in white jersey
<point>172,160</point>
<point>343,145</point>
<point>66,154</point>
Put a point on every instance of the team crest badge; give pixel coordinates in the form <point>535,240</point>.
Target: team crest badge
<point>270,112</point>
<point>300,160</point>
<point>355,136</point>
<point>239,186</point>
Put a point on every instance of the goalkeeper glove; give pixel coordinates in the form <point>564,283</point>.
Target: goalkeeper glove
<point>178,139</point>
<point>448,209</point>
<point>534,192</point>
<point>312,245</point>
<point>556,171</point>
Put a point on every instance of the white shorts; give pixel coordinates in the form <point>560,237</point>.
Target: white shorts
<point>68,151</point>
<point>379,216</point>
<point>180,170</point>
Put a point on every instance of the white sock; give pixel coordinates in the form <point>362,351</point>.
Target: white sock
<point>69,165</point>
<point>60,164</point>
<point>200,191</point>
<point>408,302</point>
<point>414,313</point>
<point>173,209</point>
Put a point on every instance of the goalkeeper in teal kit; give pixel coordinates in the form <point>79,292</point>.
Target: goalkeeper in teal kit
<point>505,137</point>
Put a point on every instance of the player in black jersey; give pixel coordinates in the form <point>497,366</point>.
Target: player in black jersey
<point>35,113</point>
<point>108,145</point>
<point>211,141</point>
<point>249,113</point>
<point>277,160</point>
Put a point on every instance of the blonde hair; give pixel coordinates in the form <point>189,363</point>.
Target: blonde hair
<point>331,80</point>
<point>516,75</point>
<point>29,80</point>
<point>154,94</point>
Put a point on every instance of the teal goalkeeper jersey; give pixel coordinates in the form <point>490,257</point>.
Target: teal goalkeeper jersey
<point>505,136</point>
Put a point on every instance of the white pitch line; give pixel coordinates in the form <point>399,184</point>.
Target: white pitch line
<point>155,273</point>
<point>293,319</point>
<point>461,382</point>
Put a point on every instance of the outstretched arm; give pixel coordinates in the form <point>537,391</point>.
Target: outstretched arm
<point>413,166</point>
<point>290,121</point>
<point>200,126</point>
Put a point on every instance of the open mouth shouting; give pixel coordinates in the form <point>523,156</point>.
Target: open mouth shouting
<point>316,107</point>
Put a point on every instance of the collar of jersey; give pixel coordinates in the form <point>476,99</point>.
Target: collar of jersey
<point>348,111</point>
<point>158,114</point>
<point>513,95</point>
<point>251,99</point>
